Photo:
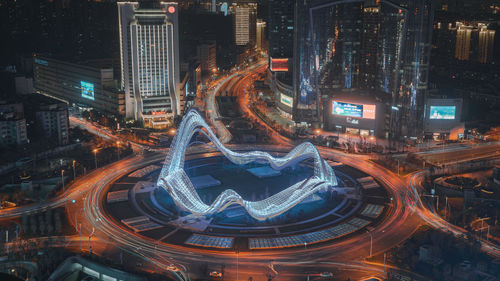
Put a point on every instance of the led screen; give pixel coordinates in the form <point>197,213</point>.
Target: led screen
<point>286,100</point>
<point>279,65</point>
<point>442,112</point>
<point>348,109</point>
<point>87,90</point>
<point>366,111</point>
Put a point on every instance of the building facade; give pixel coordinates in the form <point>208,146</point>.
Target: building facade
<point>149,50</point>
<point>84,84</point>
<point>261,42</point>
<point>12,124</point>
<point>49,117</point>
<point>207,56</point>
<point>245,24</point>
<point>473,41</point>
<point>375,48</point>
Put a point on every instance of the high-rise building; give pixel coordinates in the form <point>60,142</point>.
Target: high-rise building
<point>12,124</point>
<point>48,118</point>
<point>474,42</point>
<point>149,49</point>
<point>207,56</point>
<point>245,24</point>
<point>486,43</point>
<point>261,35</point>
<point>462,47</point>
<point>280,28</point>
<point>362,48</point>
<point>281,36</point>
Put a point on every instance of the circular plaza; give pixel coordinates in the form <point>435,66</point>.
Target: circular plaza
<point>136,202</point>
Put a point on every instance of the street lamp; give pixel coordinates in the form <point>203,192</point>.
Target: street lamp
<point>95,157</point>
<point>118,149</point>
<point>74,174</point>
<point>90,237</point>
<point>372,138</point>
<point>62,179</point>
<point>371,242</point>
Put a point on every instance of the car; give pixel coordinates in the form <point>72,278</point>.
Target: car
<point>172,268</point>
<point>215,274</point>
<point>326,274</point>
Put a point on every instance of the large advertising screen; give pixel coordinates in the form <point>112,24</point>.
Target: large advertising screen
<point>442,112</point>
<point>87,90</point>
<point>286,100</point>
<point>279,65</point>
<point>366,111</point>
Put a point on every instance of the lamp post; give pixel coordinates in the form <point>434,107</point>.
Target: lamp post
<point>372,138</point>
<point>90,237</point>
<point>95,157</point>
<point>118,149</point>
<point>62,179</point>
<point>371,242</point>
<point>74,174</point>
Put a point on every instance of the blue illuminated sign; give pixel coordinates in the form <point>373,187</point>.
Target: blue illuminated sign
<point>87,90</point>
<point>42,62</point>
<point>442,112</point>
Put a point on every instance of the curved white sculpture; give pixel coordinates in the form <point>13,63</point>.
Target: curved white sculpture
<point>177,183</point>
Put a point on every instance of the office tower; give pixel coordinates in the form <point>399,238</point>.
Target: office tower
<point>462,47</point>
<point>280,25</point>
<point>486,43</point>
<point>281,35</point>
<point>261,34</point>
<point>245,21</point>
<point>378,48</point>
<point>474,42</point>
<point>369,45</point>
<point>207,56</point>
<point>149,45</point>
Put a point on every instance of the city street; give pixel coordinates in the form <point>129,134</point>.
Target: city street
<point>84,203</point>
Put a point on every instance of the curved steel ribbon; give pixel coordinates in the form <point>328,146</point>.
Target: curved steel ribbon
<point>177,183</point>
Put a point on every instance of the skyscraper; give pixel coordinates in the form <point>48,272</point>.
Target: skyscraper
<point>462,47</point>
<point>261,37</point>
<point>281,35</point>
<point>207,56</point>
<point>149,50</point>
<point>245,24</point>
<point>280,28</point>
<point>380,48</point>
<point>486,43</point>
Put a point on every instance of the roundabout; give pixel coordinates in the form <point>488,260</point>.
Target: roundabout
<point>227,200</point>
<point>121,208</point>
<point>138,204</point>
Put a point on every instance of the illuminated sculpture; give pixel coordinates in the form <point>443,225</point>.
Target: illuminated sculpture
<point>177,183</point>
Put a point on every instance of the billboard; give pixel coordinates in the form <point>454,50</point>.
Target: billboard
<point>42,62</point>
<point>286,100</point>
<point>366,111</point>
<point>442,112</point>
<point>280,65</point>
<point>87,90</point>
